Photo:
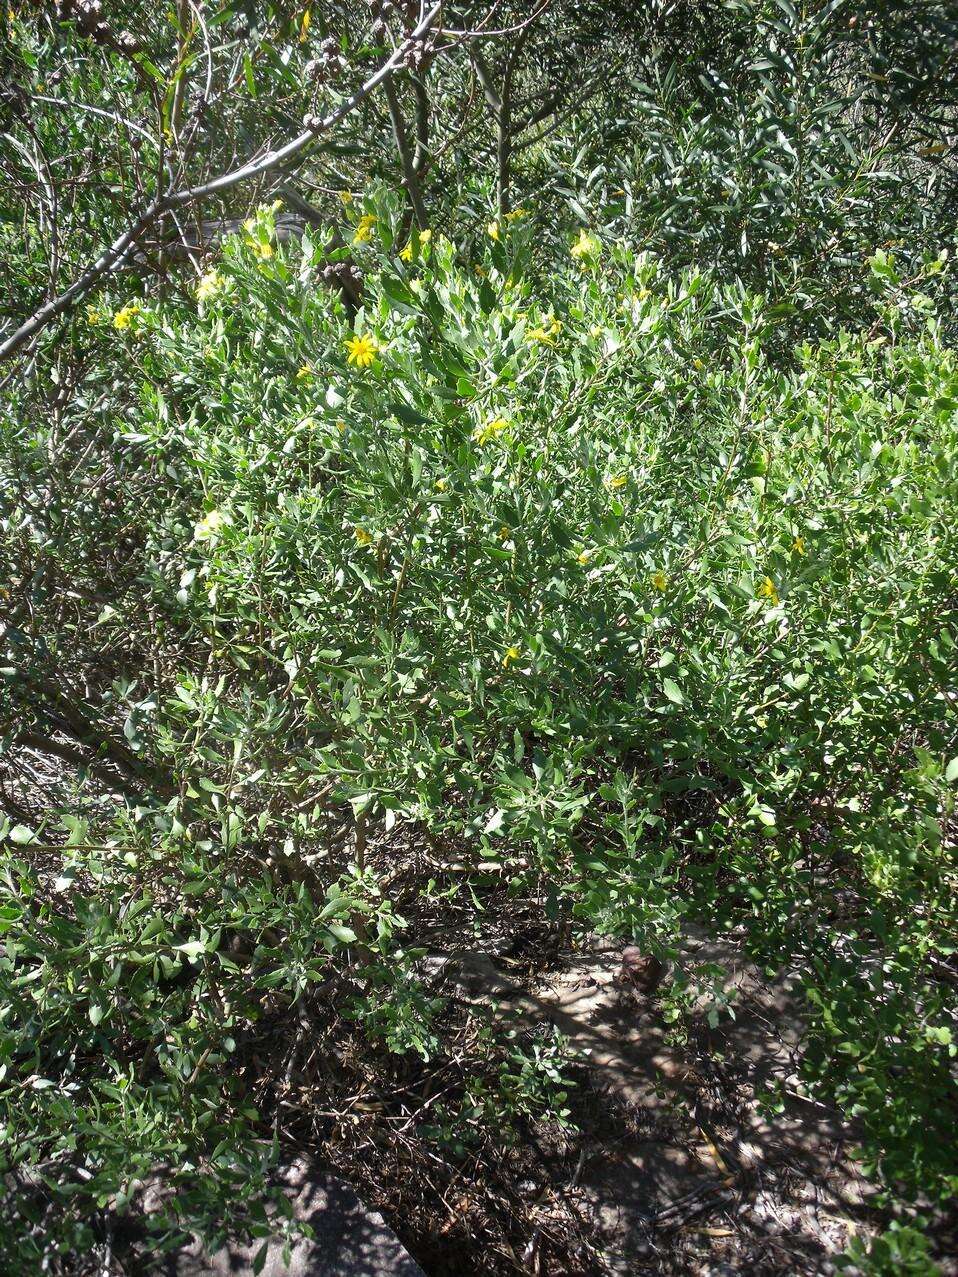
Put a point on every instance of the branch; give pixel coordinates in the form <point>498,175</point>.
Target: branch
<point>558,100</point>
<point>558,120</point>
<point>106,115</point>
<point>184,35</point>
<point>487,33</point>
<point>132,787</point>
<point>421,156</point>
<point>410,178</point>
<point>164,204</point>
<point>485,79</point>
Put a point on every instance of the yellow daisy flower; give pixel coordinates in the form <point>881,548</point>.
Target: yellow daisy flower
<point>492,230</point>
<point>124,317</point>
<point>362,536</point>
<point>362,350</point>
<point>210,284</point>
<point>660,580</point>
<point>209,527</point>
<point>798,545</point>
<point>482,434</point>
<point>409,252</point>
<point>768,591</point>
<point>364,231</point>
<point>511,655</point>
<point>546,333</point>
<point>586,245</point>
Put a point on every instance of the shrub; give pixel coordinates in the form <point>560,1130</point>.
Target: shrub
<point>580,588</point>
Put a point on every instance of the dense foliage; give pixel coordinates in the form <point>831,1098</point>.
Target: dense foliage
<point>599,559</point>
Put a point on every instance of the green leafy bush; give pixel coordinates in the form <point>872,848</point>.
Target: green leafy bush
<point>578,588</point>
<point>901,1252</point>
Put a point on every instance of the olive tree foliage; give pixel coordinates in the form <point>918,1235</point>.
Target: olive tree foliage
<point>121,130</point>
<point>210,101</point>
<point>776,142</point>
<point>758,129</point>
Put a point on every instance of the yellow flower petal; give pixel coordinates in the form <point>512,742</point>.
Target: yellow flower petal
<point>362,350</point>
<point>124,317</point>
<point>586,246</point>
<point>767,590</point>
<point>210,285</point>
<point>482,434</point>
<point>209,527</point>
